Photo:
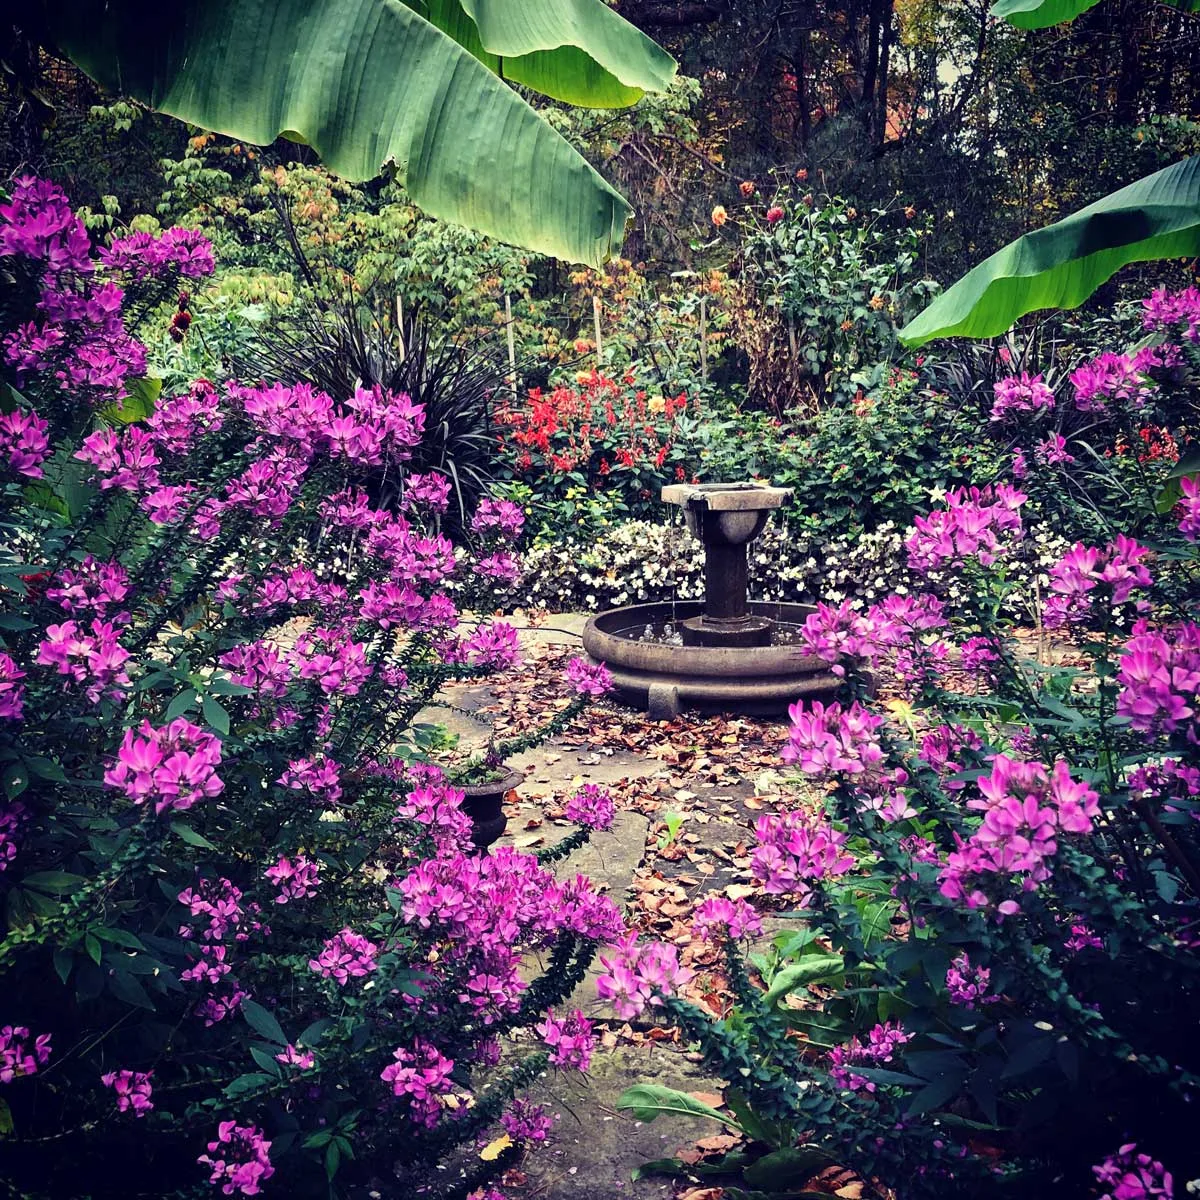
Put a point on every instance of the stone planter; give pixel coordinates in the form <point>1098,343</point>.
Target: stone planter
<point>484,804</point>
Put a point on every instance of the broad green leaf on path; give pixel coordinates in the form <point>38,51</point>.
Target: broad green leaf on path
<point>577,51</point>
<point>810,969</point>
<point>1062,265</point>
<point>1039,14</point>
<point>365,83</point>
<point>648,1100</point>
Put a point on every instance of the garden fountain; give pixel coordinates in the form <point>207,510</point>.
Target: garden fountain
<point>726,652</point>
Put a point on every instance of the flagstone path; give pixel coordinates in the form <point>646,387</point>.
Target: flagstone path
<point>707,771</point>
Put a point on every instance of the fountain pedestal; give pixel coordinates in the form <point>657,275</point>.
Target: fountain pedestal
<point>737,654</point>
<point>726,517</point>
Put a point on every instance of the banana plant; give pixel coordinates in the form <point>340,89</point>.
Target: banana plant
<point>1061,265</point>
<point>417,88</point>
<point>1041,14</point>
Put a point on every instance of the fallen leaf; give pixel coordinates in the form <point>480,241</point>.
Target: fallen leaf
<point>718,1143</point>
<point>712,1099</point>
<point>495,1148</point>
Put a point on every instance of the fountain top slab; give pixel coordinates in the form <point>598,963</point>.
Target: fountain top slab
<point>726,497</point>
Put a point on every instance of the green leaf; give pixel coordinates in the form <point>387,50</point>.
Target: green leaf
<point>759,1129</point>
<point>215,715</point>
<point>659,1166</point>
<point>314,1032</point>
<point>1188,464</point>
<point>649,1100</point>
<point>181,703</point>
<point>1062,265</point>
<point>126,988</point>
<point>1039,14</point>
<point>64,960</point>
<point>119,937</point>
<point>6,1121</point>
<point>810,969</point>
<point>262,1022</point>
<point>137,405</point>
<point>576,51</point>
<point>333,1159</point>
<point>784,1169</point>
<point>54,883</point>
<point>265,1060</point>
<point>16,780</point>
<point>937,1093</point>
<point>189,835</point>
<point>368,83</point>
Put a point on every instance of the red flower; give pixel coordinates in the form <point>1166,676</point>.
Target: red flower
<point>774,213</point>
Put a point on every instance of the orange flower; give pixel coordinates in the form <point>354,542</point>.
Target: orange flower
<point>719,216</point>
<point>802,174</point>
<point>910,212</point>
<point>876,302</point>
<point>746,188</point>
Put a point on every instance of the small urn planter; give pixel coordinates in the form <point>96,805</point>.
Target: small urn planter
<point>484,804</point>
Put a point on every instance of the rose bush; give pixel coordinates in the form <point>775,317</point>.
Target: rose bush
<point>246,937</point>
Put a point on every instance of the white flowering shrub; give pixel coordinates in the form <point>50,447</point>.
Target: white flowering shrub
<point>640,562</point>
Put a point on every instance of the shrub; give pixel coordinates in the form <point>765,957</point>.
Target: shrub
<point>999,883</point>
<point>637,562</point>
<point>245,937</point>
<point>824,290</point>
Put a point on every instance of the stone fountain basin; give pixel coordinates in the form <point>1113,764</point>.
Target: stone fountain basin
<point>667,679</point>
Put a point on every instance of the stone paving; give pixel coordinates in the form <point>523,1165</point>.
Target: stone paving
<point>594,1148</point>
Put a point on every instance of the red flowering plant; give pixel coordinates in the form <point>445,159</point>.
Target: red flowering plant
<point>597,436</point>
<point>247,940</point>
<point>996,881</point>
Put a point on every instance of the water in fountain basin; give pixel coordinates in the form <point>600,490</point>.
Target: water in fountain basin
<point>667,633</point>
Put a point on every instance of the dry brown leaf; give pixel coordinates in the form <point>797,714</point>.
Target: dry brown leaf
<point>702,1193</point>
<point>718,1143</point>
<point>712,1099</point>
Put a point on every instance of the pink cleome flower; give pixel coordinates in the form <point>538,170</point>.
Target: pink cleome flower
<point>239,1159</point>
<point>344,956</point>
<point>17,1056</point>
<point>734,918</point>
<point>592,807</point>
<point>423,1075</point>
<point>174,766</point>
<point>296,879</point>
<point>639,975</point>
<point>132,1089</point>
<point>1132,1176</point>
<point>570,1039</point>
<point>588,678</point>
